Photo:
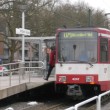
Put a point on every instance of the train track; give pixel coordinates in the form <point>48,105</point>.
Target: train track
<point>60,104</point>
<point>54,104</point>
<point>49,106</point>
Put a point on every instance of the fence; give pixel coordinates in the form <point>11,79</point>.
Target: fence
<point>97,98</point>
<point>19,72</point>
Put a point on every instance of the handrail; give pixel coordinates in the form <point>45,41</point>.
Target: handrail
<point>98,102</point>
<point>70,108</point>
<point>10,69</point>
<point>99,99</point>
<point>85,102</point>
<point>21,66</point>
<point>82,103</point>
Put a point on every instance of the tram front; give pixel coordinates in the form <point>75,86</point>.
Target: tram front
<point>76,56</point>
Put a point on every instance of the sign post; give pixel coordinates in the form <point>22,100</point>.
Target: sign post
<point>23,42</point>
<point>22,31</point>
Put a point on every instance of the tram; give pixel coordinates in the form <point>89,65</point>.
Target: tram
<point>82,61</point>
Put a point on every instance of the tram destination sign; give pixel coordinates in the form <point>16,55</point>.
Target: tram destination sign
<point>79,34</point>
<point>23,31</point>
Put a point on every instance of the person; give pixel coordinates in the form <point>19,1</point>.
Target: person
<point>51,61</point>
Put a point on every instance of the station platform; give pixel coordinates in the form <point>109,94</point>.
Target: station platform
<point>15,84</point>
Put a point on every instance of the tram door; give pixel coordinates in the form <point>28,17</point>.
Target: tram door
<point>48,43</point>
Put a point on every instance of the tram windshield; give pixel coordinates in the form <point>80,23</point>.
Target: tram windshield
<point>77,46</point>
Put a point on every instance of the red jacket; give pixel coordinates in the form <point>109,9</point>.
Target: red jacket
<point>52,58</point>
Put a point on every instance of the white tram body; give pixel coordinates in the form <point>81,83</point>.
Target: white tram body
<point>91,75</point>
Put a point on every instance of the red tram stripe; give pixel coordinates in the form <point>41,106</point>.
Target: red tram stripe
<point>81,79</point>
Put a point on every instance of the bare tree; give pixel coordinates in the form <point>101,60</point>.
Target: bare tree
<point>43,17</point>
<point>77,14</point>
<point>40,16</point>
<point>10,16</point>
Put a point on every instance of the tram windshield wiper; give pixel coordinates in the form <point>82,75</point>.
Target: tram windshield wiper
<point>62,60</point>
<point>86,62</point>
<point>77,61</point>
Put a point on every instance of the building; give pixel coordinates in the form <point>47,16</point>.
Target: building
<point>33,48</point>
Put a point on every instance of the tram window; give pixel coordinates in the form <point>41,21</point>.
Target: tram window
<point>104,50</point>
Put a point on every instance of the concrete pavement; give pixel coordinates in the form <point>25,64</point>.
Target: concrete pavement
<point>10,85</point>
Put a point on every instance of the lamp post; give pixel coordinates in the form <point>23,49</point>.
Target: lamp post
<point>23,9</point>
<point>89,17</point>
<point>107,20</point>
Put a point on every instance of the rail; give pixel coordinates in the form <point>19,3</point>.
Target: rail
<point>21,71</point>
<point>82,103</point>
<point>97,98</point>
<point>17,66</point>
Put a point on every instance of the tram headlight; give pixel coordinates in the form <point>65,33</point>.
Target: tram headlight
<point>62,79</point>
<point>90,79</point>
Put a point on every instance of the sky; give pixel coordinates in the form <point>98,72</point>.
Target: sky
<point>97,4</point>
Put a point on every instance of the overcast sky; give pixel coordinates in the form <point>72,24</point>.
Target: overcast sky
<point>97,4</point>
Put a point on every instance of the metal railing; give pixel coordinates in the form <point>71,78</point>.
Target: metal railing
<point>82,103</point>
<point>19,72</point>
<point>97,98</point>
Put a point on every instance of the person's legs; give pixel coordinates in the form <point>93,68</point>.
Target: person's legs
<point>49,71</point>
